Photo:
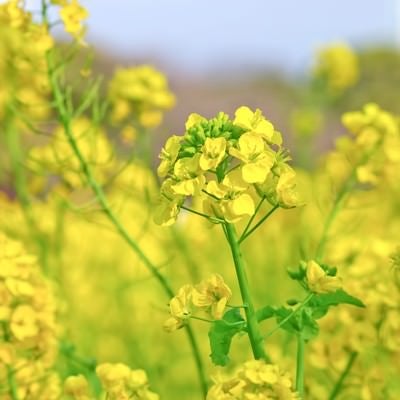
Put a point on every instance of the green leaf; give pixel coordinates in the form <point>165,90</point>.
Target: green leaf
<point>221,334</point>
<point>309,326</point>
<point>336,298</point>
<point>292,324</point>
<point>265,313</point>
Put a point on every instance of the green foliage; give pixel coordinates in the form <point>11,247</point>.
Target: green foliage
<point>221,334</point>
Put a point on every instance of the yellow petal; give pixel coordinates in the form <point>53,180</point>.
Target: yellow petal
<point>193,119</point>
<point>243,205</point>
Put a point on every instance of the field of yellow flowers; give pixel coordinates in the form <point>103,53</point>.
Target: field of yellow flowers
<point>229,271</point>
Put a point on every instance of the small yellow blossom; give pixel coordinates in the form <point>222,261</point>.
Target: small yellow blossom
<point>180,308</point>
<point>24,322</point>
<point>253,122</point>
<point>213,294</point>
<point>213,152</point>
<point>258,160</point>
<point>254,380</point>
<point>112,376</point>
<point>287,194</point>
<point>318,281</point>
<point>338,65</point>
<point>77,387</point>
<point>190,180</point>
<point>168,155</point>
<point>193,119</point>
<point>72,15</point>
<point>181,305</point>
<point>234,202</point>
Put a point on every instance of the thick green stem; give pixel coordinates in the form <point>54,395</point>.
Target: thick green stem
<point>339,384</point>
<point>301,344</point>
<point>256,339</point>
<point>65,118</point>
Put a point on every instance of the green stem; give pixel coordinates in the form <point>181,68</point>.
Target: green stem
<point>261,221</point>
<point>300,307</point>
<point>301,344</point>
<point>337,205</point>
<point>20,185</point>
<point>256,339</point>
<point>198,360</point>
<point>200,214</point>
<point>12,384</point>
<point>339,384</point>
<point>252,217</point>
<point>10,372</point>
<point>65,119</point>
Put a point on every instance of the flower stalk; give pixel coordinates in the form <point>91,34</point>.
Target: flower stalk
<point>256,339</point>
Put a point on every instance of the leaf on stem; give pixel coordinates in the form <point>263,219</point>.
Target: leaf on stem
<point>221,334</point>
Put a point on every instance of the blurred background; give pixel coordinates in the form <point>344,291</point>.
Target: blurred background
<point>221,54</point>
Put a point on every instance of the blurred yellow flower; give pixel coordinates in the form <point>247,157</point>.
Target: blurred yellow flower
<point>318,281</point>
<point>72,15</point>
<point>213,294</point>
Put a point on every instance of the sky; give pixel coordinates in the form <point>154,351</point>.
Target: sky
<point>202,35</point>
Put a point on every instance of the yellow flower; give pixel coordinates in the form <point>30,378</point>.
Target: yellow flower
<point>339,66</point>
<point>213,152</point>
<point>190,180</point>
<point>258,160</point>
<point>128,134</point>
<point>318,281</point>
<point>140,92</point>
<point>254,122</point>
<point>150,118</point>
<point>40,38</point>
<point>213,294</point>
<point>234,202</point>
<point>287,194</point>
<point>254,380</point>
<point>112,375</point>
<point>172,324</point>
<point>180,308</point>
<point>77,387</point>
<point>181,305</point>
<point>19,287</point>
<point>193,119</point>
<point>168,155</point>
<point>166,212</point>
<point>168,207</point>
<point>24,322</point>
<point>72,15</point>
<point>15,14</point>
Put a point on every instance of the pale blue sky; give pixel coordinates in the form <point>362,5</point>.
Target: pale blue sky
<point>201,35</point>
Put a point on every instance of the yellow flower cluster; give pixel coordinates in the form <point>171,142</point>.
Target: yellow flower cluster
<point>226,165</point>
<point>119,382</point>
<point>139,95</point>
<point>72,14</point>
<point>211,295</point>
<point>23,70</point>
<point>57,157</point>
<point>374,150</point>
<point>337,66</point>
<point>28,341</point>
<point>254,380</point>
